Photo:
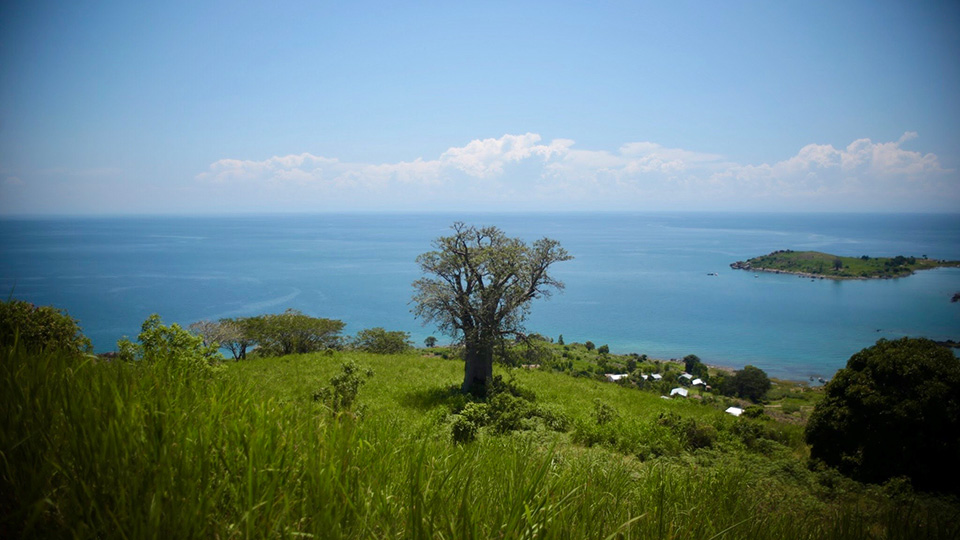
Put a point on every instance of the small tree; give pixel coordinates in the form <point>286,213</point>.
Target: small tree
<point>237,336</point>
<point>750,383</point>
<point>212,332</point>
<point>590,345</point>
<point>377,340</point>
<point>169,347</point>
<point>604,349</point>
<point>292,332</point>
<point>893,411</point>
<point>430,342</point>
<point>560,340</point>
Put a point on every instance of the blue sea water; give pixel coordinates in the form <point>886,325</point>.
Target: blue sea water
<point>639,282</point>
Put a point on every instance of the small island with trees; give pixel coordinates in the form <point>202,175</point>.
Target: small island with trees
<point>815,264</point>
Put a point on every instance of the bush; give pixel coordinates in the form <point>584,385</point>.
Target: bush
<point>754,411</point>
<point>343,389</point>
<point>603,413</point>
<point>462,429</point>
<point>40,328</point>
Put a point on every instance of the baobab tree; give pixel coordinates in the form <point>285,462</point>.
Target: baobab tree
<point>478,287</point>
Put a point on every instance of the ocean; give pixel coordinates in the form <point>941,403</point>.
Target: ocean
<point>639,282</point>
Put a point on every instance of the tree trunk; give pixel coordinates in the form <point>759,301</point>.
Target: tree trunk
<point>478,370</point>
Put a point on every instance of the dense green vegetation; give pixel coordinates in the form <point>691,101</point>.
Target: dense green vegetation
<point>908,391</point>
<point>40,327</point>
<point>815,263</point>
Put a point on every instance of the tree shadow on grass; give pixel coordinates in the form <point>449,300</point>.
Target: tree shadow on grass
<point>427,398</point>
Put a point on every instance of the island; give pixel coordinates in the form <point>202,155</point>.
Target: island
<point>814,264</point>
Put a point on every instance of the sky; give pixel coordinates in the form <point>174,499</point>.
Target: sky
<point>244,107</point>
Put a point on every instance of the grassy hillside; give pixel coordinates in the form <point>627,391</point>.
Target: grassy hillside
<point>110,449</point>
<point>815,263</point>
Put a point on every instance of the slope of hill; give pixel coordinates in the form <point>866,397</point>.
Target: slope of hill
<point>111,449</point>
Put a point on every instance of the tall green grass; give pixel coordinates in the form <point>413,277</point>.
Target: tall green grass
<point>117,450</point>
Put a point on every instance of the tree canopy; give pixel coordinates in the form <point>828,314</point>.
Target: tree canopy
<point>478,287</point>
<point>750,383</point>
<point>893,411</point>
<point>380,341</point>
<point>40,327</point>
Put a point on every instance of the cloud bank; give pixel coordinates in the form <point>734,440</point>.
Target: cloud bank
<point>521,172</point>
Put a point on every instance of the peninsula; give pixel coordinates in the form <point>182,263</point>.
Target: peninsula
<point>815,264</point>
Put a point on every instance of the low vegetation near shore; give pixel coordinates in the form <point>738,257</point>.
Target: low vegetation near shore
<point>351,444</point>
<point>817,264</point>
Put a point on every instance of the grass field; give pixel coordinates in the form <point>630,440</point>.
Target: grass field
<point>127,450</point>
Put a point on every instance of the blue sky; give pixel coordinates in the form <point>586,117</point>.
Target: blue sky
<point>184,107</point>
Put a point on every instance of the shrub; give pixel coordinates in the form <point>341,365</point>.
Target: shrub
<point>553,418</point>
<point>478,413</point>
<point>506,412</point>
<point>38,328</point>
<point>603,413</point>
<point>344,386</point>
<point>754,411</point>
<point>462,429</point>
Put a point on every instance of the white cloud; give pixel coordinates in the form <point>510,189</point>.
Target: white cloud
<point>521,171</point>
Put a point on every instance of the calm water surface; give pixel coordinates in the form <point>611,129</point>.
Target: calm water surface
<point>639,282</point>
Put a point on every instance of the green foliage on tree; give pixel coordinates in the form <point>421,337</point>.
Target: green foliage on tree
<point>169,347</point>
<point>478,287</point>
<point>893,411</point>
<point>40,328</point>
<point>377,340</point>
<point>604,349</point>
<point>693,366</point>
<point>749,383</point>
<point>430,342</point>
<point>590,345</point>
<point>560,340</point>
<point>292,332</point>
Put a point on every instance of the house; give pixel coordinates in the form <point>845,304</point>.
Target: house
<point>614,377</point>
<point>681,391</point>
<point>645,377</point>
<point>686,376</point>
<point>736,411</point>
<point>656,376</point>
<point>698,382</point>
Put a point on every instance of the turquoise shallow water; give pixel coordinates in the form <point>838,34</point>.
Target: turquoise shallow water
<point>639,282</point>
